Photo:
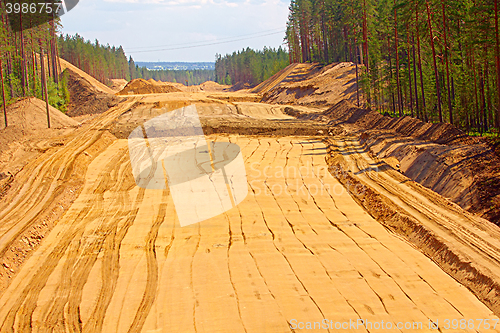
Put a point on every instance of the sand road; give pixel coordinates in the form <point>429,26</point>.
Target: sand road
<point>297,250</point>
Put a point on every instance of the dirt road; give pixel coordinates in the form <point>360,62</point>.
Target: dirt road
<point>299,249</point>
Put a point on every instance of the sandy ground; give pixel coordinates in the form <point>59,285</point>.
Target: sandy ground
<point>85,249</point>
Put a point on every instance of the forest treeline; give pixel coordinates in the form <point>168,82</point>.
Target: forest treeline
<point>189,77</point>
<point>437,60</point>
<point>21,73</point>
<point>250,66</point>
<point>105,62</point>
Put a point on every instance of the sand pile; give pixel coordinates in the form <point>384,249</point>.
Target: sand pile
<point>28,117</point>
<point>140,86</point>
<point>30,114</point>
<point>85,98</point>
<point>212,86</point>
<point>240,86</point>
<point>118,84</point>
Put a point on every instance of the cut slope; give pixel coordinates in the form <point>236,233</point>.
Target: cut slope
<point>310,85</point>
<point>118,84</point>
<point>141,86</point>
<point>315,85</point>
<point>276,79</point>
<point>86,98</point>
<point>98,85</point>
<point>438,156</point>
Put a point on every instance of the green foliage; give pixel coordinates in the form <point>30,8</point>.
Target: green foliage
<point>193,77</point>
<point>103,62</point>
<point>250,66</point>
<point>20,54</point>
<point>58,94</point>
<point>391,41</point>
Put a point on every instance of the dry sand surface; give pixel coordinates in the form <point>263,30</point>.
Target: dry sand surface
<point>310,85</point>
<point>97,84</point>
<point>85,98</point>
<point>326,232</point>
<point>27,134</point>
<point>118,84</point>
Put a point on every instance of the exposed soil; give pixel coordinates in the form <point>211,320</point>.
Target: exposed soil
<point>310,85</point>
<point>97,84</point>
<point>438,156</point>
<point>328,230</point>
<point>27,121</point>
<point>118,84</point>
<point>85,98</point>
<point>141,86</point>
<point>213,86</point>
<point>414,211</point>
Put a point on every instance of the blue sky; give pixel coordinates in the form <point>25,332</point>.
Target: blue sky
<point>140,25</point>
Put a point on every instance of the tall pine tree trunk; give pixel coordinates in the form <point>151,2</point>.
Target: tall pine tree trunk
<point>415,76</point>
<point>445,24</point>
<point>366,54</point>
<point>409,68</point>
<point>476,99</point>
<point>24,81</point>
<point>400,105</point>
<point>44,87</point>
<point>436,73</point>
<point>390,76</point>
<point>324,34</point>
<point>3,95</point>
<point>424,104</point>
<point>497,58</point>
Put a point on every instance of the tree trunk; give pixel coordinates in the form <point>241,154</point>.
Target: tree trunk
<point>424,106</point>
<point>436,73</point>
<point>3,95</point>
<point>44,86</point>
<point>325,39</point>
<point>489,107</point>
<point>357,76</point>
<point>445,24</point>
<point>409,68</point>
<point>497,58</point>
<point>400,106</point>
<point>24,81</point>
<point>476,99</point>
<point>415,76</point>
<point>390,76</point>
<point>366,54</point>
<point>483,100</point>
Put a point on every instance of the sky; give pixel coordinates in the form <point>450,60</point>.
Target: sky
<point>142,26</point>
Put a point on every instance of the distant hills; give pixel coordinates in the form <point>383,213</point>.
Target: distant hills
<point>176,65</point>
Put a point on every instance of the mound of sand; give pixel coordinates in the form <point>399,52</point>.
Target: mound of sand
<point>28,117</point>
<point>212,86</point>
<point>140,86</point>
<point>310,84</point>
<point>98,85</point>
<point>118,84</point>
<point>240,86</point>
<point>85,98</point>
<point>30,114</point>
